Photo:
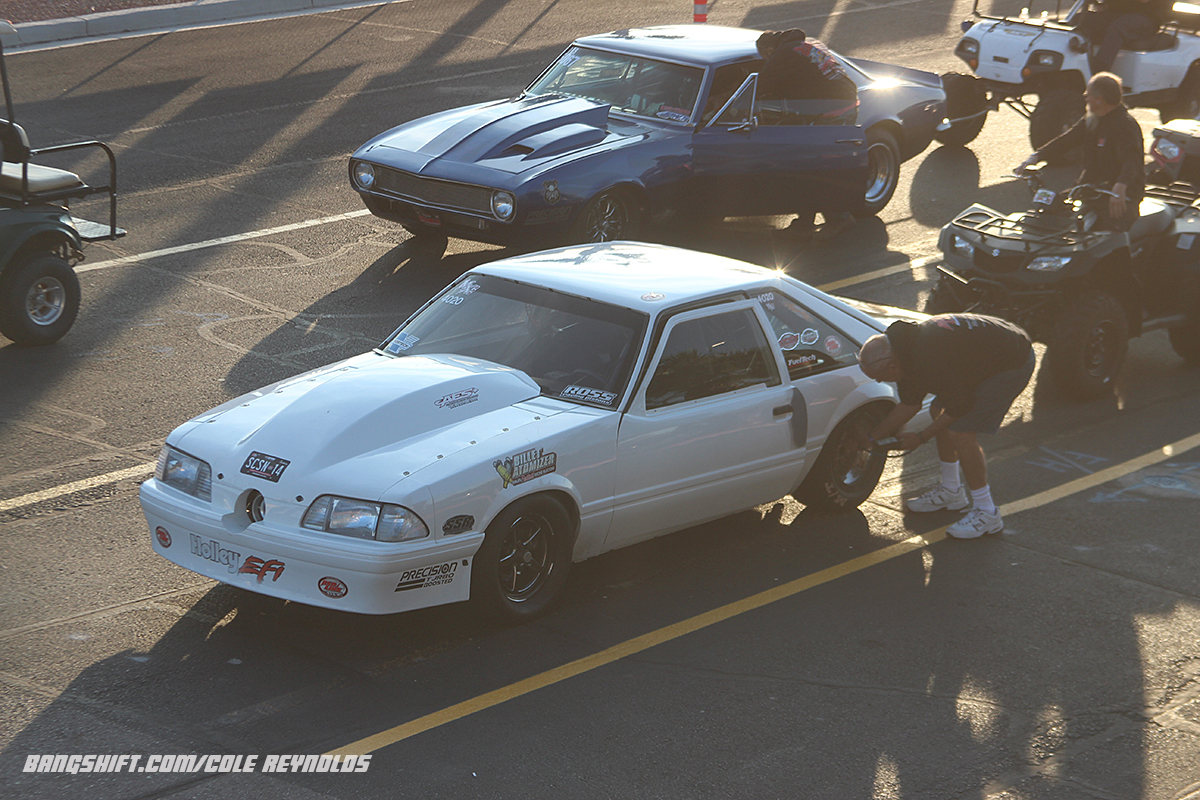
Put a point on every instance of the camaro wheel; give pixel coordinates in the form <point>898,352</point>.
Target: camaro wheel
<point>883,170</point>
<point>844,475</point>
<point>523,562</point>
<point>39,299</point>
<point>611,215</point>
<point>1087,347</point>
<point>965,97</point>
<point>1056,111</point>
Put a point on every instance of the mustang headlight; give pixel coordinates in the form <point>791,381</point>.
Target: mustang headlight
<point>364,175</point>
<point>962,247</point>
<point>504,205</point>
<point>362,519</point>
<point>186,473</point>
<point>1049,263</point>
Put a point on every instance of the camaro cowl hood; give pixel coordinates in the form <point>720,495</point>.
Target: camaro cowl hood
<point>511,136</point>
<point>402,412</point>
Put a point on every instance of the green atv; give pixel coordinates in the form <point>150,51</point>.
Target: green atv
<point>40,240</point>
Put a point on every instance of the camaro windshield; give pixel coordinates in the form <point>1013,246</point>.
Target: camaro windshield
<point>630,84</point>
<point>574,348</point>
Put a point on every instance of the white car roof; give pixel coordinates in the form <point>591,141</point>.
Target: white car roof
<point>644,277</point>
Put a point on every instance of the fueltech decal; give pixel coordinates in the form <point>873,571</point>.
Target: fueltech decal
<point>256,566</point>
<point>427,577</point>
<point>526,466</point>
<point>213,551</point>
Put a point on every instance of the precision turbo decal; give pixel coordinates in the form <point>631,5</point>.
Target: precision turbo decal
<point>427,577</point>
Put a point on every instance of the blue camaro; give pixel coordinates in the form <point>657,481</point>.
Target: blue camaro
<point>629,125</point>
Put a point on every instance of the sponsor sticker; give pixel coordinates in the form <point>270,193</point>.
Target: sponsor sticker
<point>550,192</point>
<point>526,466</point>
<point>809,336</point>
<point>459,524</point>
<point>261,465</point>
<point>254,565</point>
<point>427,577</point>
<point>651,297</point>
<point>212,550</point>
<point>456,399</point>
<point>806,360</point>
<point>789,340</point>
<point>833,345</point>
<point>332,587</point>
<point>598,396</point>
<point>163,536</point>
<point>674,114</point>
<point>402,342</point>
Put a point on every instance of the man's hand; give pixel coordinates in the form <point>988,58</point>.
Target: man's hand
<point>1116,205</point>
<point>1029,162</point>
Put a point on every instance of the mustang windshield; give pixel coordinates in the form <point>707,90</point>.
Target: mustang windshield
<point>574,348</point>
<point>632,85</point>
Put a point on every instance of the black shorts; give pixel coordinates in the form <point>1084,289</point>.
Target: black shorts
<point>993,398</point>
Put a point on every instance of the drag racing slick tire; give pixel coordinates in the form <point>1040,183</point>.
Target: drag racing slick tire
<point>843,476</point>
<point>524,559</point>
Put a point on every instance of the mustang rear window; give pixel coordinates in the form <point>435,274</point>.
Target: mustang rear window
<point>639,86</point>
<point>574,348</point>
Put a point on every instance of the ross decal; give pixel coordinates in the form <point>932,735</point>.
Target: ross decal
<point>164,538</point>
<point>459,524</point>
<point>256,566</point>
<point>651,297</point>
<point>456,399</point>
<point>789,340</point>
<point>402,342</point>
<point>332,587</point>
<point>809,336</point>
<point>597,396</point>
<point>261,465</point>
<point>550,192</point>
<point>526,466</point>
<point>213,551</point>
<point>427,577</point>
<point>833,345</point>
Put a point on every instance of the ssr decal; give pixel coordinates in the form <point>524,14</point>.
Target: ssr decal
<point>456,399</point>
<point>333,588</point>
<point>459,524</point>
<point>163,536</point>
<point>526,466</point>
<point>427,577</point>
<point>256,566</point>
<point>588,395</point>
<point>261,465</point>
<point>213,551</point>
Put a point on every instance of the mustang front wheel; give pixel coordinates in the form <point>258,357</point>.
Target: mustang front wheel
<point>39,299</point>
<point>523,562</point>
<point>844,475</point>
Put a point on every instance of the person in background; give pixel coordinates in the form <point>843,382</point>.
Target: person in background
<point>1116,22</point>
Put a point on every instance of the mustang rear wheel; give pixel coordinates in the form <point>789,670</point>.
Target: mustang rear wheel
<point>883,170</point>
<point>523,562</point>
<point>843,475</point>
<point>39,299</point>
<point>611,215</point>
<point>1088,345</point>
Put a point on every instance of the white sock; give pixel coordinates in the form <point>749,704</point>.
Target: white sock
<point>983,499</point>
<point>950,478</point>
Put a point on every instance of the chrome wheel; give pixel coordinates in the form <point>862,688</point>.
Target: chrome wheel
<point>883,170</point>
<point>45,301</point>
<point>609,217</point>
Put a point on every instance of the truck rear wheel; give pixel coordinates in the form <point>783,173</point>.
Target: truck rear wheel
<point>1087,346</point>
<point>39,299</point>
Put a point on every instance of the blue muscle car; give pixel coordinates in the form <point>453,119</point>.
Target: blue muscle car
<point>629,125</point>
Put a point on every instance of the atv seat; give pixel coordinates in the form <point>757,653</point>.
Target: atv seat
<point>1154,217</point>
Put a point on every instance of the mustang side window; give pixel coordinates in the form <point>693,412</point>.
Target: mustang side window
<point>711,356</point>
<point>809,343</point>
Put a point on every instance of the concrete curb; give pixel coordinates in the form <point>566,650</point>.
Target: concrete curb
<point>164,18</point>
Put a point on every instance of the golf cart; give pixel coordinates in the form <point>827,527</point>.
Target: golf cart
<point>40,240</point>
<point>1041,54</point>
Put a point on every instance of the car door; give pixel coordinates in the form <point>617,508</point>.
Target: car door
<point>748,162</point>
<point>712,429</point>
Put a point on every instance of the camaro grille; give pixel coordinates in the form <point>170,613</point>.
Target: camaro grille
<point>447,194</point>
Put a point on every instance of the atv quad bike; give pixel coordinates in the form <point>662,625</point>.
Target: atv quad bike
<point>1043,57</point>
<point>1082,290</point>
<point>40,240</point>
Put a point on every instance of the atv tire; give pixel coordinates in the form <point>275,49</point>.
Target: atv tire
<point>965,97</point>
<point>1088,345</point>
<point>943,301</point>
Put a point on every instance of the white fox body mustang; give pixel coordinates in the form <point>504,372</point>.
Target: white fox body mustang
<point>541,410</point>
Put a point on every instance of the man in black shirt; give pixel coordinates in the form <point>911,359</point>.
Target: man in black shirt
<point>1112,150</point>
<point>975,366</point>
<point>1116,22</point>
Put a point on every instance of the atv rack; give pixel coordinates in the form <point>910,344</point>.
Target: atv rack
<point>1032,230</point>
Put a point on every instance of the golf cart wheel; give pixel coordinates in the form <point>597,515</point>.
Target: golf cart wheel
<point>942,300</point>
<point>611,215</point>
<point>883,170</point>
<point>1056,111</point>
<point>965,97</point>
<point>843,476</point>
<point>523,562</point>
<point>1088,345</point>
<point>39,299</point>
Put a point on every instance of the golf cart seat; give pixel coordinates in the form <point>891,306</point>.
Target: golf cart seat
<point>31,183</point>
<point>1163,40</point>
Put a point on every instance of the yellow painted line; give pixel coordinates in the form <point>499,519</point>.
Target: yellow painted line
<point>140,471</point>
<point>679,629</point>
<point>912,266</point>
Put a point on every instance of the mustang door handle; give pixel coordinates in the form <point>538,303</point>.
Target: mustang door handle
<point>779,411</point>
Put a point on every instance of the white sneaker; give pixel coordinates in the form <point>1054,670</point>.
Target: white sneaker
<point>976,523</point>
<point>938,499</point>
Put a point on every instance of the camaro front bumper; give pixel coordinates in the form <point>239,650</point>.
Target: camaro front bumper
<point>364,577</point>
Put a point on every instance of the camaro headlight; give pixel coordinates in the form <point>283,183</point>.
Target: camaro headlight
<point>186,473</point>
<point>504,205</point>
<point>364,175</point>
<point>363,519</point>
<point>1049,263</point>
<point>963,247</point>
